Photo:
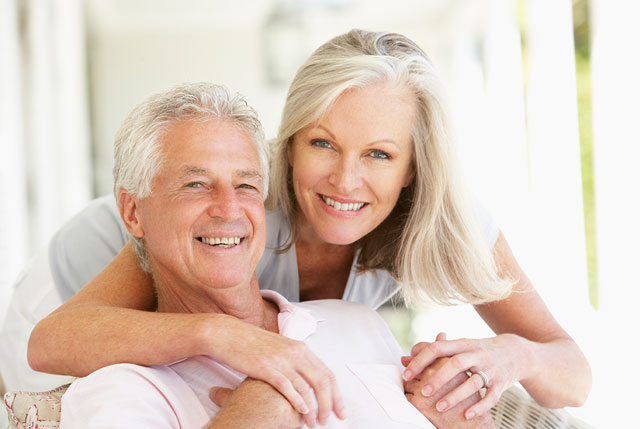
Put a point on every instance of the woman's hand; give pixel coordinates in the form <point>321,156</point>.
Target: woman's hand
<point>253,404</point>
<point>288,365</point>
<point>498,358</point>
<point>454,416</point>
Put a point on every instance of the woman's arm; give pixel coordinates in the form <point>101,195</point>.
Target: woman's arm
<point>531,347</point>
<point>109,321</point>
<point>99,325</point>
<point>553,369</point>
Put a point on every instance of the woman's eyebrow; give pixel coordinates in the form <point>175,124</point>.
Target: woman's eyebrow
<point>383,140</point>
<point>322,127</point>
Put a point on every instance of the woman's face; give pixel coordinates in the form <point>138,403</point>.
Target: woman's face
<point>349,168</point>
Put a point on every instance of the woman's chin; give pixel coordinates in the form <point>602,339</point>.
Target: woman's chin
<point>342,238</point>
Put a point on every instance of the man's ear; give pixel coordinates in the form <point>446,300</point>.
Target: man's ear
<point>128,204</point>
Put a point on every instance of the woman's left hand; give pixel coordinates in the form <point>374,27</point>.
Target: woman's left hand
<point>498,358</point>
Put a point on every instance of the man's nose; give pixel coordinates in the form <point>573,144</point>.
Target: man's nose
<point>224,203</point>
<point>346,175</point>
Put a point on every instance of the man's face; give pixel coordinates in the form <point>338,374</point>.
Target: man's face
<point>204,224</point>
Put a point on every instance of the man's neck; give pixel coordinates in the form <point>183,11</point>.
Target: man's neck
<point>243,302</point>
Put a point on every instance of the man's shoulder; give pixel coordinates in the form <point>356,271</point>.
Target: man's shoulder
<point>135,394</point>
<point>122,376</point>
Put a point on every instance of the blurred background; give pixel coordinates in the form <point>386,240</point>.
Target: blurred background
<point>544,96</point>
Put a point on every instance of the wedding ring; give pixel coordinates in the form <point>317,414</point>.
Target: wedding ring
<point>485,379</point>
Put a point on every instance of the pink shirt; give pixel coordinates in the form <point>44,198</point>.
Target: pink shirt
<point>351,339</point>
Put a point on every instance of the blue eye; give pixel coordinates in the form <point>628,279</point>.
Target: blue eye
<point>194,185</point>
<point>378,154</point>
<point>247,186</point>
<point>321,143</point>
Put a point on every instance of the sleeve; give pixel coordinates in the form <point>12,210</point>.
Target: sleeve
<point>85,245</point>
<point>488,224</point>
<point>119,396</point>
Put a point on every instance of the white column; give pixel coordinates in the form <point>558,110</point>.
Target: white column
<point>72,107</point>
<point>505,146</point>
<point>615,71</point>
<point>616,113</point>
<point>40,131</point>
<point>13,197</point>
<point>56,118</point>
<point>561,272</point>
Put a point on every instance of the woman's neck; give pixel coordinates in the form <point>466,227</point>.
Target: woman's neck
<point>323,269</point>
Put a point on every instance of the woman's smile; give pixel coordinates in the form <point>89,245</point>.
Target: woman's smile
<point>341,205</point>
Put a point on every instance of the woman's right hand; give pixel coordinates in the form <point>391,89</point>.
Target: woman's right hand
<point>288,365</point>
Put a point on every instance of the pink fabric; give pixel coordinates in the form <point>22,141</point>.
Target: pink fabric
<point>293,322</point>
<point>352,341</point>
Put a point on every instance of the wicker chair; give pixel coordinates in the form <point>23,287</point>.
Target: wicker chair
<point>515,410</point>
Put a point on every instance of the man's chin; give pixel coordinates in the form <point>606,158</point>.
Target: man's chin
<point>227,281</point>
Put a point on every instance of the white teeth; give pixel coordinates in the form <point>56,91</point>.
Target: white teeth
<point>342,206</point>
<point>221,241</point>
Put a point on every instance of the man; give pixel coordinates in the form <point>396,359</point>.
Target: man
<point>193,205</point>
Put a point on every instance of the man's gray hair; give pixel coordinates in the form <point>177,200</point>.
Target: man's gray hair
<point>137,154</point>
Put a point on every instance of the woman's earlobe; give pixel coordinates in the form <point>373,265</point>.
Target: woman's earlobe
<point>290,154</point>
<point>409,177</point>
<point>290,149</point>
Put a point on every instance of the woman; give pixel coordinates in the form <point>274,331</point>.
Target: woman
<point>365,199</point>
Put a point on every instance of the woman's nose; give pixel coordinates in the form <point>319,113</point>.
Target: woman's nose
<point>346,176</point>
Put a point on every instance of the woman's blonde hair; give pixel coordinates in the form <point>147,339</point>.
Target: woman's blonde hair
<point>431,242</point>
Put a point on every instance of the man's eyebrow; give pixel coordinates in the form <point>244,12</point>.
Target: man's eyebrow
<point>249,174</point>
<point>190,170</point>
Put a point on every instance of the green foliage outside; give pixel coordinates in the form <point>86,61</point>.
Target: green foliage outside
<point>581,33</point>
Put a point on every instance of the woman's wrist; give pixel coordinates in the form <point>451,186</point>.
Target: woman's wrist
<point>526,357</point>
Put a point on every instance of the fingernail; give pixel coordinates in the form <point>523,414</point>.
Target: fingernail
<point>442,405</point>
<point>304,410</point>
<point>406,376</point>
<point>470,415</point>
<point>342,414</point>
<point>427,390</point>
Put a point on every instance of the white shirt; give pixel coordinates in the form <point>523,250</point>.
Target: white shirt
<point>351,339</point>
